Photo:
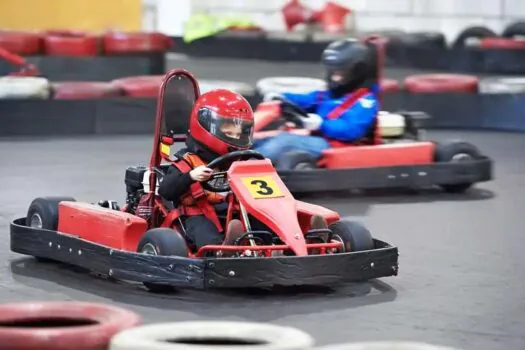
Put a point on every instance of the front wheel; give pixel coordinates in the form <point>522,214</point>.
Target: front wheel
<point>164,242</point>
<point>354,236</point>
<point>456,152</point>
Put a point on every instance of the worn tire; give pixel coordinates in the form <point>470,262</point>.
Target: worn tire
<point>296,160</point>
<point>59,325</point>
<point>212,335</point>
<point>475,32</point>
<point>353,234</point>
<point>24,88</point>
<point>515,29</point>
<point>454,152</point>
<point>502,85</point>
<point>385,345</point>
<point>289,84</point>
<point>165,242</point>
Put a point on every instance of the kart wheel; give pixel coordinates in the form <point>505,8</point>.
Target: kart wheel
<point>43,214</point>
<point>296,160</point>
<point>456,152</point>
<point>164,242</point>
<point>354,236</point>
<point>212,335</point>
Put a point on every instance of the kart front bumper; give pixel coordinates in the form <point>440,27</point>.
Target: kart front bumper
<point>209,272</point>
<point>406,176</point>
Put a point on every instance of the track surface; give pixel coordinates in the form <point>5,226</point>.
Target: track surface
<point>462,267</point>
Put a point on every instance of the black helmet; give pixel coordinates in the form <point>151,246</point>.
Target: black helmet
<point>349,64</point>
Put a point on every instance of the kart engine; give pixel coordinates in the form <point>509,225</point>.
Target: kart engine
<point>134,186</point>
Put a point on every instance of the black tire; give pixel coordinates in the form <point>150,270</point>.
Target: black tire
<point>164,242</point>
<point>435,40</point>
<point>354,235</point>
<point>455,152</point>
<point>296,160</point>
<point>477,32</point>
<point>514,29</point>
<point>43,213</point>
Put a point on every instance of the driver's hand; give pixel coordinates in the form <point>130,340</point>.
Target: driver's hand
<point>312,122</point>
<point>271,96</point>
<point>201,173</point>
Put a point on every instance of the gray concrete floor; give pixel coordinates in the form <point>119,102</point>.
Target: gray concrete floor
<point>462,267</point>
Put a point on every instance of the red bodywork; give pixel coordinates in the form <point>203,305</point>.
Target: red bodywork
<point>350,155</point>
<point>288,218</point>
<point>341,155</point>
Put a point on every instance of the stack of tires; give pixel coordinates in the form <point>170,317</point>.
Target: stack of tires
<point>93,326</point>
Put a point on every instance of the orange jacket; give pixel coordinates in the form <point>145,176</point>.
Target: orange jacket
<point>187,200</point>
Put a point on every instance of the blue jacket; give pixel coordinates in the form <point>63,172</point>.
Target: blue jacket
<point>352,125</point>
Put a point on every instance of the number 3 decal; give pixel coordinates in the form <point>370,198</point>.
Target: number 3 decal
<point>264,190</point>
<point>261,187</point>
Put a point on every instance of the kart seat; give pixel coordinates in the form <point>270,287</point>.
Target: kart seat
<point>391,124</point>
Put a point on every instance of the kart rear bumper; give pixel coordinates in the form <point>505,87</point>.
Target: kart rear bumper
<point>205,273</point>
<point>407,176</point>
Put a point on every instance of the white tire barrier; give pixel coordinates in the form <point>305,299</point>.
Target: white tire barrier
<point>24,88</point>
<point>289,84</point>
<point>208,335</point>
<point>240,88</point>
<point>385,345</point>
<point>502,85</point>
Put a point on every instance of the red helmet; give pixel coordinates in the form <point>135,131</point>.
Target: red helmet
<point>222,121</point>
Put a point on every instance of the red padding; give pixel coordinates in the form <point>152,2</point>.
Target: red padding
<point>73,90</point>
<point>21,43</point>
<point>429,83</point>
<point>119,43</point>
<point>70,43</point>
<point>502,43</point>
<point>390,85</point>
<point>20,327</point>
<point>140,86</point>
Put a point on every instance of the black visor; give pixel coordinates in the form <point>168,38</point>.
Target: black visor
<point>235,131</point>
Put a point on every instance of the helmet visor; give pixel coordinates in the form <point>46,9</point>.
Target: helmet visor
<point>236,131</point>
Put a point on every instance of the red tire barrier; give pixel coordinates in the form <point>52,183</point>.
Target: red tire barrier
<point>21,43</point>
<point>121,43</point>
<point>432,83</point>
<point>502,43</point>
<point>73,90</point>
<point>62,325</point>
<point>140,86</point>
<point>390,85</point>
<point>70,43</point>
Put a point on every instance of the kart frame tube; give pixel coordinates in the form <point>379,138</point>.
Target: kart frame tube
<point>205,273</point>
<point>406,176</point>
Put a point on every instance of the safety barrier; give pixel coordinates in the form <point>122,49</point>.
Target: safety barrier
<point>502,112</point>
<point>94,326</point>
<point>494,60</point>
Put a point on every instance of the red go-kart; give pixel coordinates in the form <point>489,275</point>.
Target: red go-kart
<point>394,154</point>
<point>145,241</point>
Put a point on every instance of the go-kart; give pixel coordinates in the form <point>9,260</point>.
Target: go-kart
<point>394,153</point>
<point>145,241</point>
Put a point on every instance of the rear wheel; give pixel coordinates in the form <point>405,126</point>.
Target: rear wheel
<point>163,242</point>
<point>43,214</point>
<point>296,160</point>
<point>456,152</point>
<point>354,236</point>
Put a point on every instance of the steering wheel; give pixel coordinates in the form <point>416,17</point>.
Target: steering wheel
<point>218,181</point>
<point>291,112</point>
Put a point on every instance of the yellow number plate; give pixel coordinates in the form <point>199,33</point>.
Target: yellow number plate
<point>262,187</point>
